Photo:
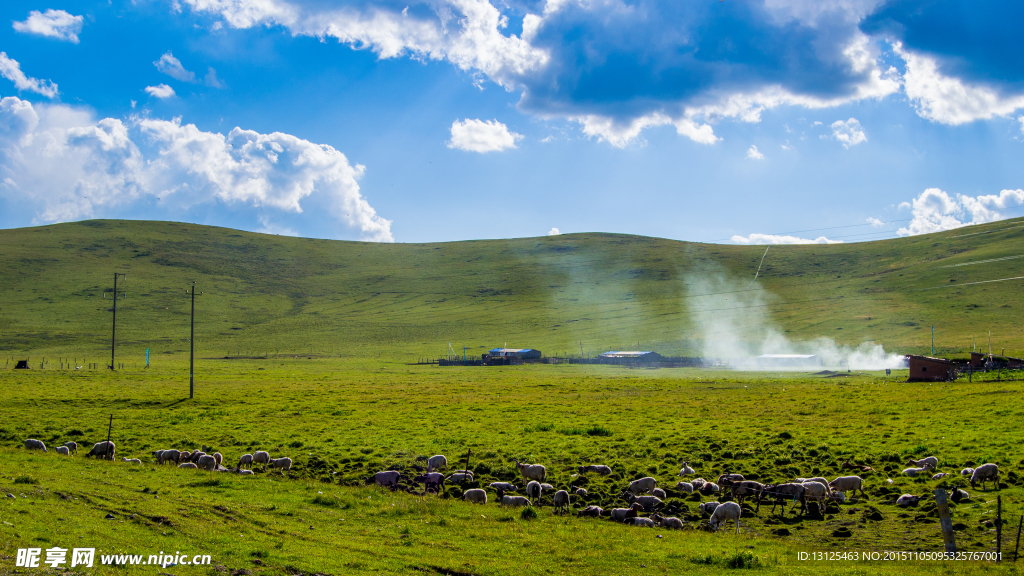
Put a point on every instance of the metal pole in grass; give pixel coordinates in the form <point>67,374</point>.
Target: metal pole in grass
<point>109,428</point>
<point>948,537</point>
<point>113,324</point>
<point>1017,547</point>
<point>999,526</point>
<point>465,469</point>
<point>192,345</point>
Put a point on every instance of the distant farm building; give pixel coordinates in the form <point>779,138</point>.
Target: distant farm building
<point>928,369</point>
<point>788,361</point>
<point>502,356</point>
<point>630,357</point>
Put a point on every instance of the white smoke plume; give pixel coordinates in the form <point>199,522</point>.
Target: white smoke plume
<point>734,325</point>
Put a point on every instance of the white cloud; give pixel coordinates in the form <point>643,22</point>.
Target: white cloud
<point>10,69</point>
<point>554,232</point>
<point>52,24</point>
<point>171,66</point>
<point>482,136</point>
<point>848,132</point>
<point>65,165</point>
<point>160,91</point>
<point>875,222</point>
<point>950,100</point>
<point>754,154</point>
<point>934,210</point>
<point>781,239</point>
<point>622,133</point>
<point>211,79</point>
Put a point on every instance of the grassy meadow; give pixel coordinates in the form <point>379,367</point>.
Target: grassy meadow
<point>343,323</point>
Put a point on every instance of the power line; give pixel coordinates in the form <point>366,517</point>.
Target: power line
<point>980,262</point>
<point>969,283</point>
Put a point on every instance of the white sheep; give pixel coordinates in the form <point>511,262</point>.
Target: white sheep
<point>645,522</point>
<point>461,476</point>
<point>659,493</point>
<point>534,489</point>
<point>817,479</point>
<point>168,456</point>
<point>189,465</point>
<point>707,507</point>
<point>186,456</point>
<point>207,462</point>
<point>643,485</point>
<point>580,492</point>
<point>913,472</point>
<point>622,514</point>
<point>157,454</point>
<point>816,491</point>
<point>686,470</point>
<point>940,476</point>
<point>245,460</point>
<point>670,522</point>
<point>387,479</point>
<point>839,497</point>
<point>194,456</point>
<point>907,500</point>
<point>848,484</point>
<point>217,456</point>
<point>561,500</point>
<point>72,447</point>
<point>503,486</point>
<point>649,502</point>
<point>532,471</point>
<point>261,457</point>
<point>595,468</point>
<point>436,463</point>
<point>708,488</point>
<point>63,450</point>
<point>697,483</point>
<point>103,449</point>
<point>245,472</point>
<point>515,501</point>
<point>546,487</point>
<point>284,464</point>
<point>475,495</point>
<point>967,471</point>
<point>984,473</point>
<point>128,460</point>
<point>684,487</point>
<point>723,513</point>
<point>33,444</point>
<point>928,462</point>
<point>590,512</point>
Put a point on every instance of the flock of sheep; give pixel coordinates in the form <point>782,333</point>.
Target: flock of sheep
<point>642,495</point>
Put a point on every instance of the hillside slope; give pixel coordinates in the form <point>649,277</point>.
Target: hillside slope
<point>265,293</point>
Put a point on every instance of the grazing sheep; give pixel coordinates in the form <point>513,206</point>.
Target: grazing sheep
<point>959,495</point>
<point>436,463</point>
<point>839,497</point>
<point>984,473</point>
<point>33,444</point>
<point>697,483</point>
<point>72,447</point>
<point>245,460</point>
<point>581,492</point>
<point>725,512</point>
<point>217,456</point>
<point>595,468</point>
<point>547,487</point>
<point>708,488</point>
<point>195,456</point>
<point>207,462</point>
<point>967,471</point>
<point>168,456</point>
<point>913,472</point>
<point>818,492</point>
<point>645,522</point>
<point>561,500</point>
<point>622,514</point>
<point>261,457</point>
<point>817,479</point>
<point>460,477</point>
<point>63,450</point>
<point>928,462</point>
<point>503,486</point>
<point>387,479</point>
<point>102,450</point>
<point>532,471</point>
<point>659,493</point>
<point>673,523</point>
<point>727,478</point>
<point>650,503</point>
<point>188,465</point>
<point>707,507</point>
<point>128,460</point>
<point>643,485</point>
<point>432,481</point>
<point>940,476</point>
<point>850,466</point>
<point>157,454</point>
<point>684,487</point>
<point>534,489</point>
<point>515,501</point>
<point>740,490</point>
<point>283,464</point>
<point>245,472</point>
<point>590,512</point>
<point>686,471</point>
<point>475,495</point>
<point>848,484</point>
<point>907,500</point>
<point>781,494</point>
<point>185,456</point>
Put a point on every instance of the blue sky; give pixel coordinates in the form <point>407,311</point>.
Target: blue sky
<point>726,121</point>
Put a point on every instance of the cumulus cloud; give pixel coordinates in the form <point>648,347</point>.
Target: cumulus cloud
<point>781,239</point>
<point>875,222</point>
<point>848,132</point>
<point>11,69</point>
<point>482,136</point>
<point>754,154</point>
<point>160,91</point>
<point>56,24</point>
<point>554,232</point>
<point>64,164</point>
<point>935,210</point>
<point>171,66</point>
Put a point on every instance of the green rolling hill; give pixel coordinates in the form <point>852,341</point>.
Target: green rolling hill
<point>265,293</point>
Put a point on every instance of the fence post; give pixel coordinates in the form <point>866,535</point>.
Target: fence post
<point>1017,547</point>
<point>948,536</point>
<point>999,527</point>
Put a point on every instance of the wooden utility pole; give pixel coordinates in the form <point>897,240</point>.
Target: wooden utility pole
<point>109,428</point>
<point>192,346</point>
<point>113,326</point>
<point>948,536</point>
<point>1017,547</point>
<point>999,527</point>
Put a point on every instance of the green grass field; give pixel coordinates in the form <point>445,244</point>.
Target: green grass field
<point>343,321</point>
